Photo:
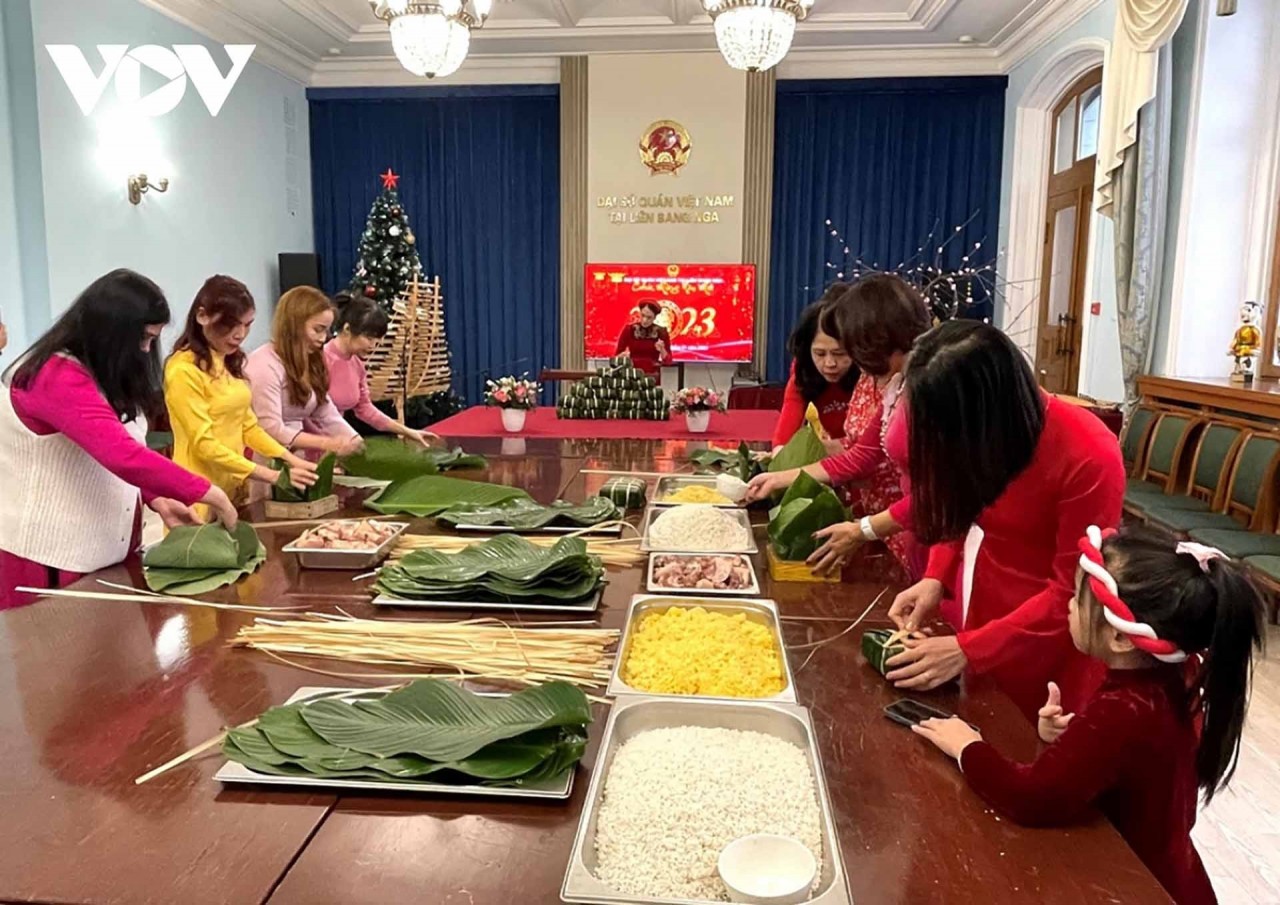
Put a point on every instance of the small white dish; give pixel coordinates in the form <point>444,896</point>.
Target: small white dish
<point>765,869</point>
<point>732,487</point>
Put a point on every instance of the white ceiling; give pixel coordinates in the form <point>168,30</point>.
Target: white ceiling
<point>339,42</point>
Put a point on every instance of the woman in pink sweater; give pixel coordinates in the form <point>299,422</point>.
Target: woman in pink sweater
<point>290,379</point>
<point>72,441</point>
<point>361,323</point>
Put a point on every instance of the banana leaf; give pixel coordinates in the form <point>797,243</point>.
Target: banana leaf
<point>504,568</point>
<point>389,459</point>
<point>806,507</point>
<point>526,515</point>
<point>431,729</point>
<point>283,490</point>
<point>430,495</point>
<point>742,463</point>
<point>194,559</point>
<point>804,448</point>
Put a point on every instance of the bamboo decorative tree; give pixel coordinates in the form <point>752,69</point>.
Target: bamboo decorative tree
<point>413,358</point>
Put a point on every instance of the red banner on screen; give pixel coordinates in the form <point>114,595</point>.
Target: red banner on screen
<point>709,309</point>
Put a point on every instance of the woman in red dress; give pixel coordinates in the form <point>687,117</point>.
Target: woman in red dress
<point>822,375</point>
<point>647,344</point>
<point>882,315</point>
<point>1004,481</point>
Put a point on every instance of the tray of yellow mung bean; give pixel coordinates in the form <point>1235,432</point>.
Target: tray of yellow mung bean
<point>718,648</point>
<point>680,490</point>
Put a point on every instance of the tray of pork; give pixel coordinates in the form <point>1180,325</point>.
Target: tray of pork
<point>702,573</point>
<point>346,544</point>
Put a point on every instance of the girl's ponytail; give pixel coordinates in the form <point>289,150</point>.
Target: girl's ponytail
<point>1238,630</point>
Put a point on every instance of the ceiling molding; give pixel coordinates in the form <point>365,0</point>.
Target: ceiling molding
<point>220,24</point>
<point>529,49</point>
<point>1039,29</point>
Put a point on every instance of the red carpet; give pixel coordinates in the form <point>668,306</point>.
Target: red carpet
<point>752,425</point>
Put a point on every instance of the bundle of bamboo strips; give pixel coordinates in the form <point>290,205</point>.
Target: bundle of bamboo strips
<point>476,648</point>
<point>613,552</point>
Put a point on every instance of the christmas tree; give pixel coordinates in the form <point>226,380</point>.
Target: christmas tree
<point>388,256</point>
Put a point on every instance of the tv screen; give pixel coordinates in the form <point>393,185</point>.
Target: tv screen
<point>709,309</point>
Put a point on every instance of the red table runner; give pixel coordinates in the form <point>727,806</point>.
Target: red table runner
<point>752,425</point>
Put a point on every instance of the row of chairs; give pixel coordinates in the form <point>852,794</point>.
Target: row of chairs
<point>1207,479</point>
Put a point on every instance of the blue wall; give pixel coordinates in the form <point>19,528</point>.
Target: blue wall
<point>888,162</point>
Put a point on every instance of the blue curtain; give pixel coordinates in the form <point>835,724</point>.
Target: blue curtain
<point>885,161</point>
<point>480,170</point>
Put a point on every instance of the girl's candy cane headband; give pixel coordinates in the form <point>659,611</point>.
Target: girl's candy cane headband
<point>1117,613</point>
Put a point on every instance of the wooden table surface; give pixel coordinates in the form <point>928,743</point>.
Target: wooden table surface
<point>100,692</point>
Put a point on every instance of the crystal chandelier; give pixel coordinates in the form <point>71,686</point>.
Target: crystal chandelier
<point>755,34</point>
<point>432,39</point>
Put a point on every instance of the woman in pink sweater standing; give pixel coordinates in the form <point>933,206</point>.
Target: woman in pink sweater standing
<point>290,379</point>
<point>361,323</point>
<point>72,441</point>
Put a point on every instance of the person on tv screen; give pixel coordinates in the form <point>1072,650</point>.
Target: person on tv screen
<point>647,344</point>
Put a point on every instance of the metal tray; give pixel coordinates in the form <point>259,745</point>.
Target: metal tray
<point>589,606</point>
<point>764,612</point>
<point>311,558</point>
<point>672,483</point>
<point>743,517</point>
<point>630,716</point>
<point>233,773</point>
<point>753,590</point>
<point>614,530</point>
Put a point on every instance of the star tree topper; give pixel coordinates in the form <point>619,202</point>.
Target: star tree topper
<point>389,179</point>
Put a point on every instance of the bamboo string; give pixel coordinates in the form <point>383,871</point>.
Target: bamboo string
<point>819,645</point>
<point>161,600</point>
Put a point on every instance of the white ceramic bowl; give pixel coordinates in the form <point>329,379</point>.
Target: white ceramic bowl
<point>732,487</point>
<point>764,869</point>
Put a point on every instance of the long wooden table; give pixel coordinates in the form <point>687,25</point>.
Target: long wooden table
<point>100,692</point>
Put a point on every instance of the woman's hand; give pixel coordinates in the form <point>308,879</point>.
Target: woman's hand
<point>926,663</point>
<point>951,736</point>
<point>1053,722</point>
<point>425,438</point>
<point>302,474</point>
<point>834,447</point>
<point>912,606</point>
<point>839,542</point>
<point>765,485</point>
<point>173,513</point>
<point>342,446</point>
<point>220,505</point>
<point>661,348</point>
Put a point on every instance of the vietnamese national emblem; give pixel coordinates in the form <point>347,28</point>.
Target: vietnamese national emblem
<point>665,147</point>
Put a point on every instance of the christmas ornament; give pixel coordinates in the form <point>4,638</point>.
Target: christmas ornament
<point>409,237</point>
<point>370,291</point>
<point>389,179</point>
<point>394,231</point>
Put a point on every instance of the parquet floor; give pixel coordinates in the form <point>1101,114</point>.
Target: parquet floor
<point>1239,834</point>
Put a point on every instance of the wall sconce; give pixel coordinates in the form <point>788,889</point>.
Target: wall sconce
<point>139,186</point>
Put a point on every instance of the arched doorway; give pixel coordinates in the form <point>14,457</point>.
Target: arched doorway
<point>1068,195</point>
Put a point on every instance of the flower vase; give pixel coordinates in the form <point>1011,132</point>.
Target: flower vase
<point>698,422</point>
<point>513,420</point>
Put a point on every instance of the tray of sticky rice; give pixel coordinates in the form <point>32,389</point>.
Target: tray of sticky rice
<point>677,781</point>
<point>683,490</point>
<point>679,647</point>
<point>697,528</point>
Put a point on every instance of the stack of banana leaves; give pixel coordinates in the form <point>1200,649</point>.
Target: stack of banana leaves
<point>504,569</point>
<point>389,459</point>
<point>429,731</point>
<point>526,515</point>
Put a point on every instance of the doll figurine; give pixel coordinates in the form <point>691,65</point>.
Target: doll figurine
<point>1245,343</point>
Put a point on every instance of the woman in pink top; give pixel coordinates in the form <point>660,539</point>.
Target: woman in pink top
<point>361,323</point>
<point>72,431</point>
<point>290,379</point>
<point>883,316</point>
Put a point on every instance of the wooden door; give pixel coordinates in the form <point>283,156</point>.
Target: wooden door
<point>1069,192</point>
<point>1066,238</point>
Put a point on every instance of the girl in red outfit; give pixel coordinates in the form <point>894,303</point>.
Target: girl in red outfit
<point>882,316</point>
<point>1143,604</point>
<point>1004,481</point>
<point>646,344</point>
<point>822,374</point>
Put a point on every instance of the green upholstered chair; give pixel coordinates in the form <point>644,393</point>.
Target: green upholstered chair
<point>1210,468</point>
<point>1137,437</point>
<point>1248,499</point>
<point>1169,438</point>
<point>1267,566</point>
<point>1239,544</point>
